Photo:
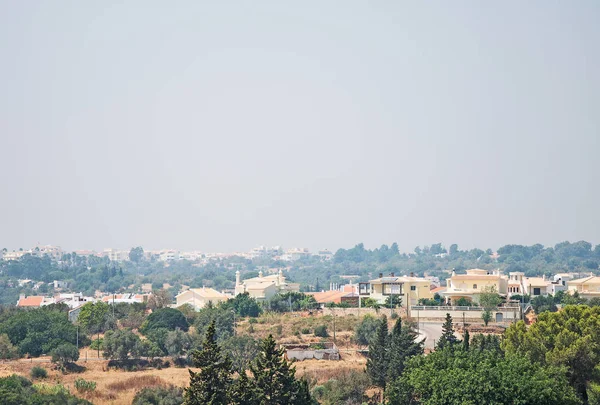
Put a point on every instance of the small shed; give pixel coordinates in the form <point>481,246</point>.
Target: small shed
<point>319,351</point>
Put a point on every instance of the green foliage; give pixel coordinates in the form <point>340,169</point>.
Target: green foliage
<point>403,345</point>
<point>365,330</point>
<point>210,385</point>
<point>159,396</point>
<point>486,315</point>
<point>393,301</point>
<point>489,299</point>
<point>541,304</point>
<point>378,361</point>
<point>136,254</point>
<point>568,338</point>
<point>97,344</point>
<point>7,349</point>
<point>17,390</point>
<point>274,380</point>
<point>243,305</point>
<point>291,301</point>
<point>479,377</point>
<point>38,373</point>
<point>120,344</point>
<point>177,343</point>
<point>82,386</point>
<point>242,350</point>
<point>39,331</point>
<point>321,331</point>
<point>463,302</point>
<point>94,316</point>
<point>222,317</point>
<point>167,318</point>
<point>64,354</point>
<point>448,339</point>
<point>347,388</point>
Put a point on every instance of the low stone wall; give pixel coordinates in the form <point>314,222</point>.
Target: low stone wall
<point>302,352</point>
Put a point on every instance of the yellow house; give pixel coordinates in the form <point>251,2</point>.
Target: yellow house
<point>410,289</point>
<point>263,287</point>
<point>473,283</point>
<point>588,287</point>
<point>200,297</point>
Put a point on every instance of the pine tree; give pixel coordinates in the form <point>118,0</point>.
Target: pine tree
<point>211,384</point>
<point>274,379</point>
<point>242,391</point>
<point>378,361</point>
<point>304,397</point>
<point>466,340</point>
<point>447,339</point>
<point>403,346</point>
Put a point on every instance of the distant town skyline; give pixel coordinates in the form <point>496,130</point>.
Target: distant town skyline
<point>217,126</point>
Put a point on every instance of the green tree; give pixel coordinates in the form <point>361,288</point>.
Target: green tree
<point>242,391</point>
<point>167,318</point>
<point>378,361</point>
<point>136,254</point>
<point>274,378</point>
<point>365,330</point>
<point>7,350</point>
<point>65,354</point>
<point>489,299</point>
<point>473,377</point>
<point>541,304</point>
<point>402,347</point>
<point>93,316</point>
<point>177,343</point>
<point>222,317</point>
<point>211,384</point>
<point>120,344</point>
<point>159,396</point>
<point>448,339</point>
<point>243,305</point>
<point>242,350</point>
<point>568,338</point>
<point>466,340</point>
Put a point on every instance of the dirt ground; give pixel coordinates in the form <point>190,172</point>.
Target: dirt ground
<point>119,387</point>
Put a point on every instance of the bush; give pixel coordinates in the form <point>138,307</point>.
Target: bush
<point>321,331</point>
<point>159,395</point>
<point>97,344</point>
<point>38,372</point>
<point>394,315</point>
<point>83,386</point>
<point>65,353</point>
<point>305,331</point>
<point>252,320</point>
<point>279,329</point>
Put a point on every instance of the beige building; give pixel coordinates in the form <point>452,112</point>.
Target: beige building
<point>411,289</point>
<point>588,287</point>
<point>200,297</point>
<point>263,287</point>
<point>473,283</point>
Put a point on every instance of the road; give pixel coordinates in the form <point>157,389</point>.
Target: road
<point>432,331</point>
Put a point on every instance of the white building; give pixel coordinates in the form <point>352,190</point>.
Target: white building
<point>294,254</point>
<point>200,297</point>
<point>169,256</point>
<point>264,287</point>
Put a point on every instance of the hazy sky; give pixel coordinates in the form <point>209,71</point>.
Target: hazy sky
<point>220,126</point>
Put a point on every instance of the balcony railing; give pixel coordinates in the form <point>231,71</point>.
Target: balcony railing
<point>459,308</point>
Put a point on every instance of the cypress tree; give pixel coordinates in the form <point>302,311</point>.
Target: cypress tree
<point>403,346</point>
<point>211,384</point>
<point>447,339</point>
<point>274,379</point>
<point>242,391</point>
<point>378,361</point>
<point>466,340</point>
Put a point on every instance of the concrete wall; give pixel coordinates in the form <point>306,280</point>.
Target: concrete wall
<point>458,314</point>
<point>364,311</point>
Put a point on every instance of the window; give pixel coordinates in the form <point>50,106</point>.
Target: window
<point>474,286</point>
<point>413,288</point>
<point>536,291</point>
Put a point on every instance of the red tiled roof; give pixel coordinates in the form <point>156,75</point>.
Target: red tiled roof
<point>32,301</point>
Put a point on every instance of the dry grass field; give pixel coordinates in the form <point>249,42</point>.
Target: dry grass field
<point>119,387</point>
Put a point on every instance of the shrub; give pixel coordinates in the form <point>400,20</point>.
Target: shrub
<point>97,344</point>
<point>64,354</point>
<point>38,372</point>
<point>394,315</point>
<point>279,329</point>
<point>305,331</point>
<point>83,386</point>
<point>159,395</point>
<point>321,331</point>
<point>252,320</point>
<point>251,329</point>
